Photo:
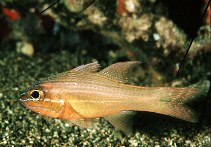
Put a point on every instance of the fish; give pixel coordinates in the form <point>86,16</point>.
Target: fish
<point>84,94</point>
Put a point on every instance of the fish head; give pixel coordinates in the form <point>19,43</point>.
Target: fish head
<point>39,99</point>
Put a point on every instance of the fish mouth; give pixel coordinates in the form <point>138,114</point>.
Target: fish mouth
<point>25,100</point>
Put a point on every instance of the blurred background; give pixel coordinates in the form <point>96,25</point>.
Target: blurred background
<point>36,42</point>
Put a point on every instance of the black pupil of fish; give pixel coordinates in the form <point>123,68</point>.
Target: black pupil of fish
<point>35,94</point>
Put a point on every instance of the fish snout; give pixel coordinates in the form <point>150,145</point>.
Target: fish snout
<point>24,97</point>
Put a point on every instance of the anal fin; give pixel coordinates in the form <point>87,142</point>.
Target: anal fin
<point>85,123</point>
<point>122,121</point>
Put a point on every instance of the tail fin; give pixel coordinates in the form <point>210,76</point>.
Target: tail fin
<point>172,102</point>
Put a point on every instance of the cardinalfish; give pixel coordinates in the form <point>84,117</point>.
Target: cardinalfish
<point>84,94</point>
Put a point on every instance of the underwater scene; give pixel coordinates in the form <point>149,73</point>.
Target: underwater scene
<point>105,73</point>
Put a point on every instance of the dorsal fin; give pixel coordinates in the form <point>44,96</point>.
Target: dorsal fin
<point>119,71</point>
<point>87,68</point>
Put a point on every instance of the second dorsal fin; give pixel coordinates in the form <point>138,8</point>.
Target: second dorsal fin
<point>119,71</point>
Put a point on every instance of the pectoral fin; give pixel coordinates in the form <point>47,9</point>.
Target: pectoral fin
<point>122,121</point>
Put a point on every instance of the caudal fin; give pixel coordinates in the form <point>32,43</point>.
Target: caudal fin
<point>173,102</point>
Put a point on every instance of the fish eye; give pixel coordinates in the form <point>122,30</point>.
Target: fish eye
<point>36,94</point>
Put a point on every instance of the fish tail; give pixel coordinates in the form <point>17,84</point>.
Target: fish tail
<point>173,102</point>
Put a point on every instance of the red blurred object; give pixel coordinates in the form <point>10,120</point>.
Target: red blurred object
<point>121,7</point>
<point>11,13</point>
<point>208,17</point>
